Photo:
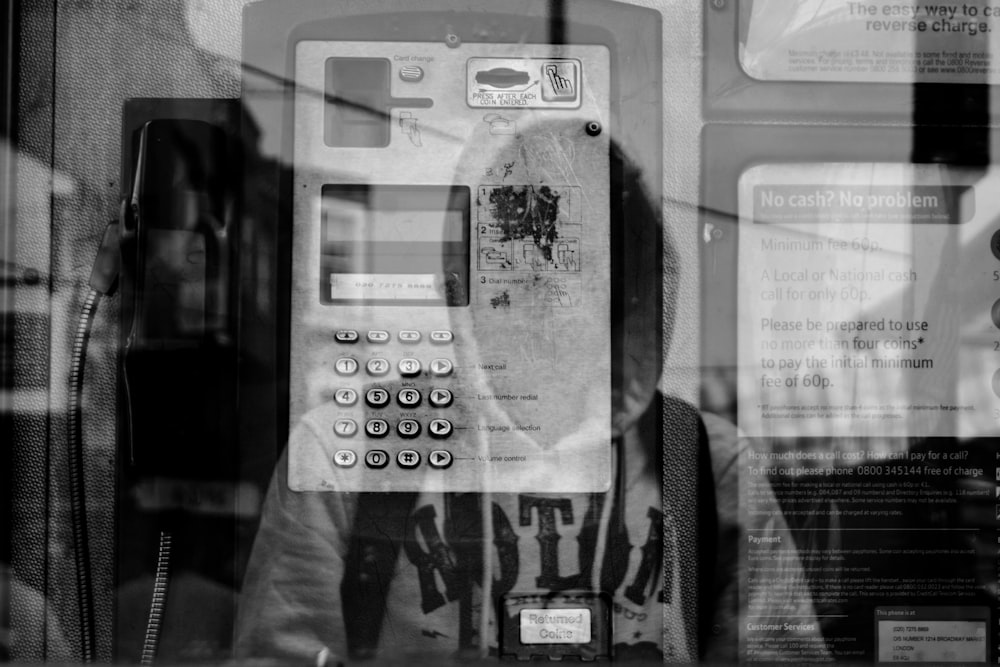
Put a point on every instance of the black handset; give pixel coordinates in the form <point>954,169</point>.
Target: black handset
<point>178,321</point>
<point>182,502</point>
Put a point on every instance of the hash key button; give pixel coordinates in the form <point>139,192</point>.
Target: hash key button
<point>440,428</point>
<point>408,459</point>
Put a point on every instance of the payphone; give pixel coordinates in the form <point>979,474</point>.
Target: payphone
<point>439,262</point>
<point>452,238</point>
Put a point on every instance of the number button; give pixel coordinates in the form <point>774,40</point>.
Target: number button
<point>440,398</point>
<point>440,428</point>
<point>345,397</point>
<point>345,458</point>
<point>376,458</point>
<point>408,459</point>
<point>409,336</point>
<point>345,428</point>
<point>378,336</point>
<point>377,366</point>
<point>346,336</point>
<point>377,398</point>
<point>408,428</point>
<point>376,428</point>
<point>442,337</point>
<point>346,366</point>
<point>408,398</point>
<point>441,367</point>
<point>409,367</point>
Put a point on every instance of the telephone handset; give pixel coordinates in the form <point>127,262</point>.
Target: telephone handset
<point>454,243</point>
<point>178,319</point>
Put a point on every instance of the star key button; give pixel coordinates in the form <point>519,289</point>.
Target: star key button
<point>345,458</point>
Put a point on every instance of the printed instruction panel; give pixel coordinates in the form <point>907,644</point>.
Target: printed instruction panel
<point>868,318</point>
<point>886,41</point>
<point>867,301</point>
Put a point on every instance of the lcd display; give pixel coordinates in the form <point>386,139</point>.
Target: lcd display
<point>395,244</point>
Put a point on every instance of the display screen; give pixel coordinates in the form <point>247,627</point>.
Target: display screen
<point>395,244</point>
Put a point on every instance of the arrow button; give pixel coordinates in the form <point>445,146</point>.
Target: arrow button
<point>440,458</point>
<point>440,428</point>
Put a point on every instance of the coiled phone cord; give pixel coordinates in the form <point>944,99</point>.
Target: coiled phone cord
<point>77,490</point>
<point>103,279</point>
<point>158,604</point>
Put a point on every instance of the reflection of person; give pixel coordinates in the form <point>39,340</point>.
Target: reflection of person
<point>405,576</point>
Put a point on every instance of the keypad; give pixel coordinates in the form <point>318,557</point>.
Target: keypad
<point>384,358</point>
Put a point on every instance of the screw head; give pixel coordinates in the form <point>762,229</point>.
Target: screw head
<point>593,128</point>
<point>718,4</point>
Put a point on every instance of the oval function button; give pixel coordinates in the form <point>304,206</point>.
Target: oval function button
<point>376,428</point>
<point>439,398</point>
<point>408,459</point>
<point>442,336</point>
<point>345,397</point>
<point>409,367</point>
<point>378,336</point>
<point>377,398</point>
<point>440,458</point>
<point>345,428</point>
<point>408,428</point>
<point>347,336</point>
<point>376,458</point>
<point>440,428</point>
<point>408,398</point>
<point>377,366</point>
<point>409,336</point>
<point>441,367</point>
<point>411,73</point>
<point>346,366</point>
<point>345,458</point>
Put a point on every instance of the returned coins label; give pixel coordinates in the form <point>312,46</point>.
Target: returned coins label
<point>555,626</point>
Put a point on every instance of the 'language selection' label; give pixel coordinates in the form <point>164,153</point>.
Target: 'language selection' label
<point>889,41</point>
<point>864,299</point>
